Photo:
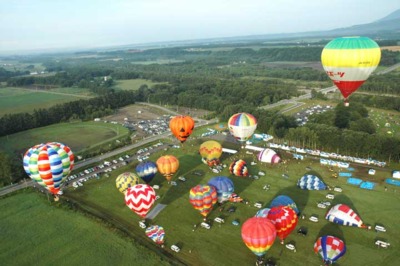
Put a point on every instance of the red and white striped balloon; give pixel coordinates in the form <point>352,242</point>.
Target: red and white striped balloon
<point>140,198</point>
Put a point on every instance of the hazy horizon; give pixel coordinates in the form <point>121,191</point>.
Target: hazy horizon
<point>38,25</point>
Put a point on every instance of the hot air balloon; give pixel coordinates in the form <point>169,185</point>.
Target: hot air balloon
<point>258,234</point>
<point>330,248</point>
<point>126,180</point>
<point>167,165</point>
<point>283,200</point>
<point>146,171</point>
<point>311,182</point>
<point>203,198</point>
<point>263,213</point>
<point>224,187</point>
<point>210,152</point>
<point>242,126</point>
<point>239,168</point>
<point>49,164</point>
<point>285,220</point>
<point>344,215</point>
<point>156,233</point>
<point>182,127</point>
<point>349,61</point>
<point>269,156</point>
<point>140,198</point>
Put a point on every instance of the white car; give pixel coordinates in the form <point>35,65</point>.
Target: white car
<point>174,183</point>
<point>205,225</point>
<point>156,186</point>
<point>330,196</point>
<point>313,218</point>
<point>380,228</point>
<point>182,178</point>
<point>321,206</point>
<point>219,220</point>
<point>258,205</point>
<point>337,189</point>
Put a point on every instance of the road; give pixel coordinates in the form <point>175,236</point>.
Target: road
<point>100,158</point>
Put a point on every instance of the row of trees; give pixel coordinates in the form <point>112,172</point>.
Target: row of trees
<point>82,109</point>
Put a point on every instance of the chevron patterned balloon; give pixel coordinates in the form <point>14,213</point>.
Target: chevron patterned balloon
<point>140,198</point>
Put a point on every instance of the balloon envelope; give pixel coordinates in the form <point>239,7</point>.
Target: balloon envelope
<point>203,198</point>
<point>224,187</point>
<point>182,127</point>
<point>269,156</point>
<point>285,220</point>
<point>167,165</point>
<point>156,233</point>
<point>344,215</point>
<point>125,181</point>
<point>140,198</point>
<point>349,61</point>
<point>258,234</point>
<point>311,182</point>
<point>263,213</point>
<point>49,164</point>
<point>330,248</point>
<point>146,171</point>
<point>239,168</point>
<point>210,152</point>
<point>283,200</point>
<point>242,126</point>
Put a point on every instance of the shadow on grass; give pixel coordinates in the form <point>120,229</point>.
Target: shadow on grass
<point>331,229</point>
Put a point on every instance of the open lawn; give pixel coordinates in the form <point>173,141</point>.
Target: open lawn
<point>134,84</point>
<point>78,136</point>
<point>35,231</point>
<point>20,100</point>
<point>222,245</point>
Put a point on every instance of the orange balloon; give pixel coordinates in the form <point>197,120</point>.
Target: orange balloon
<point>167,165</point>
<point>182,127</point>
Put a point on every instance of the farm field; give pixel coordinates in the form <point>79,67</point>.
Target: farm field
<point>134,84</point>
<point>55,235</point>
<point>90,134</point>
<point>222,245</point>
<point>20,100</point>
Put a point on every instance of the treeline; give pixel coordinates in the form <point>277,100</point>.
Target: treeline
<point>5,74</point>
<point>81,109</point>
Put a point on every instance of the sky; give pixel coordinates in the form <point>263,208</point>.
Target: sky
<point>55,24</point>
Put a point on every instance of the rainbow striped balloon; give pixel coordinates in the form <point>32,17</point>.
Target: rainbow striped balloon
<point>203,198</point>
<point>349,61</point>
<point>49,164</point>
<point>242,126</point>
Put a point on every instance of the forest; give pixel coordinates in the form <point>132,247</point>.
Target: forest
<point>239,79</point>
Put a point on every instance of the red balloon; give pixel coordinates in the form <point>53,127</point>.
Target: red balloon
<point>285,220</point>
<point>258,234</point>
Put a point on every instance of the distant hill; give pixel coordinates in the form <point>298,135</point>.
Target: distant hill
<point>384,28</point>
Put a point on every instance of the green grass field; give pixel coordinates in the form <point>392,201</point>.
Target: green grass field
<point>35,231</point>
<point>222,245</point>
<point>134,84</point>
<point>19,100</point>
<point>78,136</point>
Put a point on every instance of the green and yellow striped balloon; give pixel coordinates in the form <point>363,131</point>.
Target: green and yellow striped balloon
<point>348,61</point>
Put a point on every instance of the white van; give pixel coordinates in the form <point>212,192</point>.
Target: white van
<point>175,248</point>
<point>219,220</point>
<point>205,225</point>
<point>258,205</point>
<point>381,243</point>
<point>380,228</point>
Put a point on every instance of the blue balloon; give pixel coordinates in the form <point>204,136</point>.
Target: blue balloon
<point>224,187</point>
<point>283,200</point>
<point>146,171</point>
<point>311,182</point>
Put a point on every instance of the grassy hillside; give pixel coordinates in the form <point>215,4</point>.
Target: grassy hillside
<point>35,231</point>
<point>222,245</point>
